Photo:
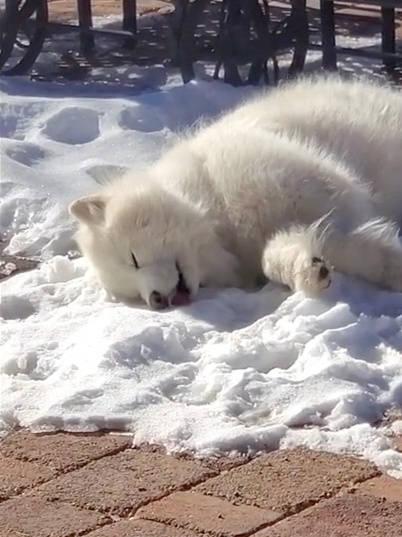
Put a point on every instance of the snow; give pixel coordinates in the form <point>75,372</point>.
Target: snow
<point>234,372</point>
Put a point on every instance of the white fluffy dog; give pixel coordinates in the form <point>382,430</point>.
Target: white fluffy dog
<point>299,180</point>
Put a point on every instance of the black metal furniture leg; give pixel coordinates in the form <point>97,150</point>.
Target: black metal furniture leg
<point>301,31</point>
<point>130,21</point>
<point>191,14</point>
<point>328,34</point>
<point>388,34</point>
<point>24,27</point>
<point>85,21</point>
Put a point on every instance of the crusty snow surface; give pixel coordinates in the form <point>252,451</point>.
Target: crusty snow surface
<point>234,372</point>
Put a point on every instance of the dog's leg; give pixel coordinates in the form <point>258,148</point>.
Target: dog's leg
<point>372,251</point>
<point>294,257</point>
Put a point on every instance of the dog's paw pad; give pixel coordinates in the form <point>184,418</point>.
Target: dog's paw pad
<point>314,277</point>
<point>320,274</point>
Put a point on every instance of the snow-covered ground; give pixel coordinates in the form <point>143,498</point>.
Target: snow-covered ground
<point>235,371</point>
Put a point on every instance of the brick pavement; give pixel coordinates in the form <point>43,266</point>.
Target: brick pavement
<point>65,485</point>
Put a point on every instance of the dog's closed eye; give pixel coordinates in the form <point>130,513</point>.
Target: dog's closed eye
<point>135,262</point>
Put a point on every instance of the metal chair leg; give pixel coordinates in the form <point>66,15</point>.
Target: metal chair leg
<point>301,30</point>
<point>328,34</point>
<point>87,40</point>
<point>130,21</point>
<point>388,34</point>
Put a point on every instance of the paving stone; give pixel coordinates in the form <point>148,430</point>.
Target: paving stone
<point>216,463</point>
<point>141,528</point>
<point>121,483</point>
<point>345,516</point>
<point>19,475</point>
<point>62,452</point>
<point>33,517</point>
<point>221,463</point>
<point>383,486</point>
<point>288,480</point>
<point>12,533</point>
<point>206,514</point>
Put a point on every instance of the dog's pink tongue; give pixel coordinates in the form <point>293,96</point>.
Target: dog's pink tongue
<point>181,299</point>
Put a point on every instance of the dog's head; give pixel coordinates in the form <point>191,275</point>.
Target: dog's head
<point>142,243</point>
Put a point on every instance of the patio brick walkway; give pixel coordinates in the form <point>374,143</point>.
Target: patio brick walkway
<point>62,485</point>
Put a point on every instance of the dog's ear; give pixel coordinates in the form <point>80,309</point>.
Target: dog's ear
<point>90,209</point>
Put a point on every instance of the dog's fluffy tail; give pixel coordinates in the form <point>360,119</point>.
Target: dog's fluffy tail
<point>372,251</point>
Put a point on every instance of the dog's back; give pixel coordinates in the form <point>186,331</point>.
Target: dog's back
<point>358,123</point>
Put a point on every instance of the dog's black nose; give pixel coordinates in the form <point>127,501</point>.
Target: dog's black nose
<point>157,301</point>
<point>323,273</point>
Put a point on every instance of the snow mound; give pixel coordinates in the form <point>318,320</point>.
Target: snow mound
<point>234,371</point>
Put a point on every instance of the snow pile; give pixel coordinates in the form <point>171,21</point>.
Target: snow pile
<point>234,371</point>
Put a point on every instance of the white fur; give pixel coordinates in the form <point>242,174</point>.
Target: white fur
<point>311,170</point>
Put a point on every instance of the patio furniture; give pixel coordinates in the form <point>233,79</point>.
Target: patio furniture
<point>388,52</point>
<point>246,35</point>
<point>25,25</point>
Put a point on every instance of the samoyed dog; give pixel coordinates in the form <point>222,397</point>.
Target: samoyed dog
<point>288,186</point>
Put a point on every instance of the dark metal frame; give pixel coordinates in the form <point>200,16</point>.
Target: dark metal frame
<point>388,44</point>
<point>14,22</point>
<point>234,43</point>
<point>29,19</point>
<point>239,21</point>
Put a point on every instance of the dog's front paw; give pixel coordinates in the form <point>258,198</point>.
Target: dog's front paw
<point>312,276</point>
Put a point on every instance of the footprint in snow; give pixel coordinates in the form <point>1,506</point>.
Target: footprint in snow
<point>104,173</point>
<point>73,125</point>
<point>26,153</point>
<point>139,119</point>
<point>16,120</point>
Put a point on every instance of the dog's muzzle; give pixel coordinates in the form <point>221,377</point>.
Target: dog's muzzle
<point>181,296</point>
